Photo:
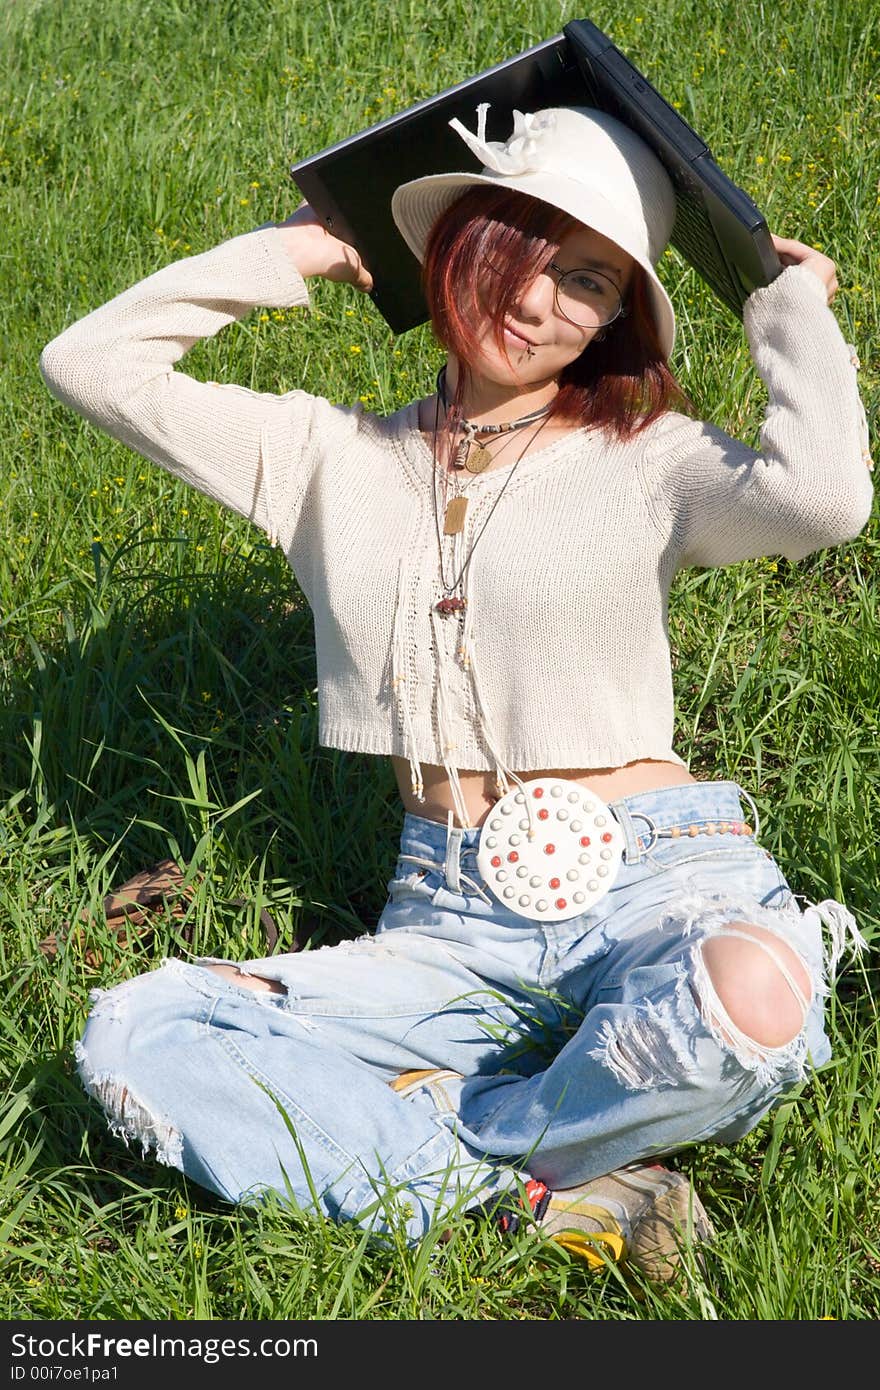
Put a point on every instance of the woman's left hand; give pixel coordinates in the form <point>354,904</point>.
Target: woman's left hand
<point>797,253</point>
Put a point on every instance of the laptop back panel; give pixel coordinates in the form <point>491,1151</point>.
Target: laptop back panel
<point>718,229</point>
<point>350,184</point>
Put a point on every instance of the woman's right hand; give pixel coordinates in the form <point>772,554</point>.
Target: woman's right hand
<point>315,251</point>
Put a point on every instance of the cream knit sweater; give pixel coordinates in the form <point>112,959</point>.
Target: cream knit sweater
<point>562,659</point>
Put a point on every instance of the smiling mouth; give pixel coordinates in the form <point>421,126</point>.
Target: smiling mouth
<point>518,337</point>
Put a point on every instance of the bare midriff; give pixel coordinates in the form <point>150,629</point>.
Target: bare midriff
<point>480,792</point>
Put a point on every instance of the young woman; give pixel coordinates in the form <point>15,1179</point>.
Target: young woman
<point>586,961</point>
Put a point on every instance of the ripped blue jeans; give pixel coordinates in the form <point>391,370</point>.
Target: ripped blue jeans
<point>579,1046</point>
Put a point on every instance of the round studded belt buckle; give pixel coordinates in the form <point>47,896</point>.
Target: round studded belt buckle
<point>549,849</point>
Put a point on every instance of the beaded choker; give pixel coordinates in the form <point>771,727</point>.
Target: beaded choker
<point>470,454</point>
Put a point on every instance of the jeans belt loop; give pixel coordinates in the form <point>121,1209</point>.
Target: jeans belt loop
<point>633,849</point>
<point>750,800</point>
<point>452,865</point>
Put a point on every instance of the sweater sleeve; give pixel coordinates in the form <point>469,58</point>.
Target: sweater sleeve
<point>809,486</point>
<point>250,451</point>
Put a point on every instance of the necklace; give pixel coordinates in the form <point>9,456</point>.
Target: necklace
<point>455,506</point>
<point>451,602</point>
<point>471,454</point>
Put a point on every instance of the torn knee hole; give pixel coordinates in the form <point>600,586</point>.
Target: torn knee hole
<point>751,986</point>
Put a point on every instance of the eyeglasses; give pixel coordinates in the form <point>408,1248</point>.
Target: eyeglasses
<point>587,298</point>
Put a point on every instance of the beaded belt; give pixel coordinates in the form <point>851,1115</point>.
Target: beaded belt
<point>675,832</point>
<point>550,849</point>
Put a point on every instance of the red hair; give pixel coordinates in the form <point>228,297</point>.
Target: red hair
<point>621,383</point>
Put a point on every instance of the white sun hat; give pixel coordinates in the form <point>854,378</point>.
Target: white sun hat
<point>577,159</point>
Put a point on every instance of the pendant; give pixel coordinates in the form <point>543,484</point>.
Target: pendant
<point>478,459</point>
<point>453,519</point>
<point>450,605</point>
<point>461,453</point>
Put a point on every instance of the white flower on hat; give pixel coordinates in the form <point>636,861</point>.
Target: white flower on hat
<point>522,153</point>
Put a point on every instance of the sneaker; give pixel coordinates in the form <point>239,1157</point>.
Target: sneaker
<point>645,1216</point>
<point>431,1079</point>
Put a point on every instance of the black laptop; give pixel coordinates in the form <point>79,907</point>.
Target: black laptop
<point>718,229</point>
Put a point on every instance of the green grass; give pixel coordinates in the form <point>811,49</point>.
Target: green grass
<point>156,662</point>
